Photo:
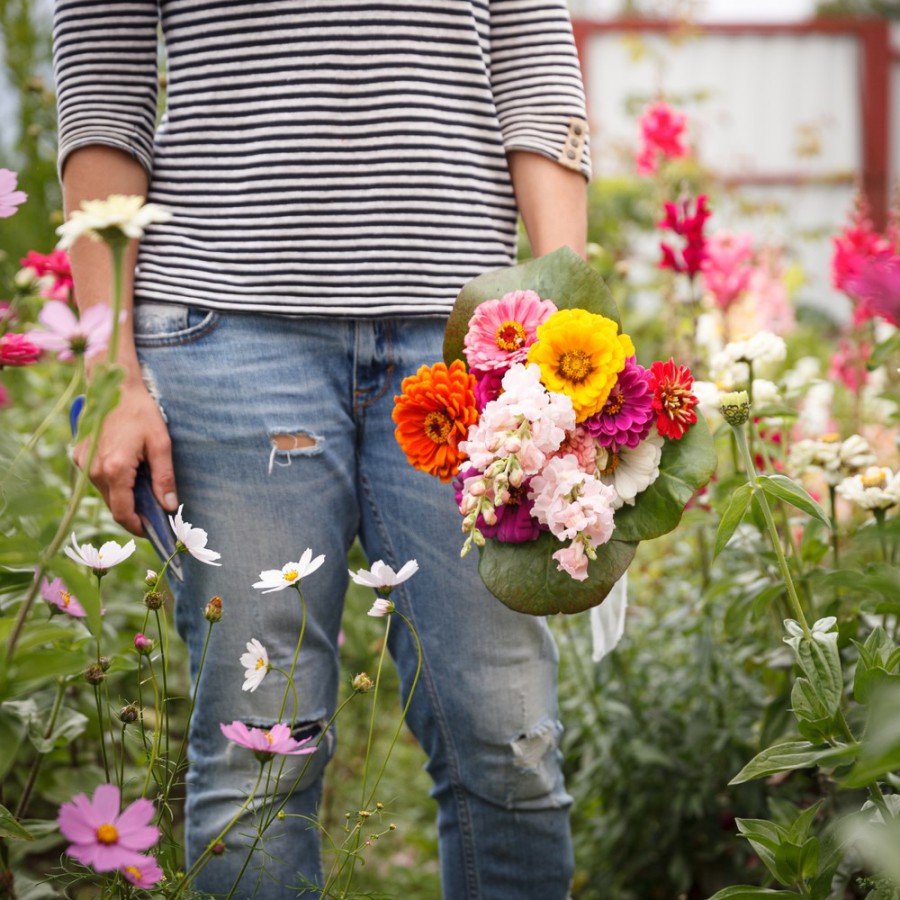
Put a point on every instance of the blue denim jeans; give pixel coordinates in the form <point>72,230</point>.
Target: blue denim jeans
<point>485,708</point>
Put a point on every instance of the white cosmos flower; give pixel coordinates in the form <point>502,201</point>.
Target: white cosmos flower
<point>876,488</point>
<point>290,574</point>
<point>256,665</point>
<point>109,555</point>
<point>117,215</point>
<point>381,608</point>
<point>630,470</point>
<point>193,539</point>
<point>382,577</point>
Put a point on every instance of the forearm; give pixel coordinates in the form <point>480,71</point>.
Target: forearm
<point>93,173</point>
<point>552,201</point>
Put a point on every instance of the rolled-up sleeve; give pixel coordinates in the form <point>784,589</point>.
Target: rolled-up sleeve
<point>536,81</point>
<point>105,65</point>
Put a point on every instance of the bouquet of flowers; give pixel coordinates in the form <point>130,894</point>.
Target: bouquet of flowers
<point>564,451</point>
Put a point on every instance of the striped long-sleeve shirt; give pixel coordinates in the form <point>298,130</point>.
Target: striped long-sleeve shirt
<point>323,157</point>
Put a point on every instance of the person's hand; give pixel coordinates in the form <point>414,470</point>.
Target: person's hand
<point>132,432</point>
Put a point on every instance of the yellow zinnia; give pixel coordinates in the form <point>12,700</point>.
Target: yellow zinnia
<point>580,354</point>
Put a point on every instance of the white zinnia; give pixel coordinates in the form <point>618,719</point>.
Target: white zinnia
<point>290,574</point>
<point>632,470</point>
<point>110,554</point>
<point>193,539</point>
<point>256,665</point>
<point>382,577</point>
<point>128,215</point>
<point>876,488</point>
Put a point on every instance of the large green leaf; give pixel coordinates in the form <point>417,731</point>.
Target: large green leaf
<point>748,892</point>
<point>525,576</point>
<point>10,827</point>
<point>793,755</point>
<point>686,465</point>
<point>562,276</point>
<point>732,517</point>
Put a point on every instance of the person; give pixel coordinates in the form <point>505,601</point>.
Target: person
<point>335,173</point>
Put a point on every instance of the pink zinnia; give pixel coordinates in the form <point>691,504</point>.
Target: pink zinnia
<point>18,350</point>
<point>627,416</point>
<point>682,221</point>
<point>501,331</point>
<point>103,837</point>
<point>266,743</point>
<point>143,872</point>
<point>662,133</point>
<point>56,268</point>
<point>59,597</point>
<point>67,336</point>
<point>10,198</point>
<point>727,268</point>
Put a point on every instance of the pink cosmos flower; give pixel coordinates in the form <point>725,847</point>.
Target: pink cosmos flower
<point>501,331</point>
<point>662,134</point>
<point>18,350</point>
<point>67,336</point>
<point>10,198</point>
<point>102,836</point>
<point>727,268</point>
<point>54,271</point>
<point>682,221</point>
<point>143,871</point>
<point>59,598</point>
<point>266,743</point>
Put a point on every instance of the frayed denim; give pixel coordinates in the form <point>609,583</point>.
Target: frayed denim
<point>283,439</point>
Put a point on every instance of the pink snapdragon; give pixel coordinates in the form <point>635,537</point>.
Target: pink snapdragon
<point>688,224</point>
<point>857,245</point>
<point>18,350</point>
<point>104,837</point>
<point>662,136</point>
<point>727,268</point>
<point>10,198</point>
<point>68,336</point>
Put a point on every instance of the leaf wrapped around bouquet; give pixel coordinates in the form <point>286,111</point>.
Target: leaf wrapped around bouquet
<point>566,451</point>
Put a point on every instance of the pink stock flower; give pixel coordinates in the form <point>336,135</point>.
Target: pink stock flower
<point>102,836</point>
<point>727,268</point>
<point>501,331</point>
<point>689,225</point>
<point>54,270</point>
<point>68,336</point>
<point>18,350</point>
<point>766,305</point>
<point>10,198</point>
<point>143,872</point>
<point>858,244</point>
<point>875,288</point>
<point>60,599</point>
<point>662,133</point>
<point>848,364</point>
<point>266,743</point>
<point>573,560</point>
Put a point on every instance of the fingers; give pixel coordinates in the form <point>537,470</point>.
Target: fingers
<point>159,458</point>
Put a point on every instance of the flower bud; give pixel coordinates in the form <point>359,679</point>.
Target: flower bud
<point>512,444</point>
<point>489,516</point>
<point>128,714</point>
<point>217,849</point>
<point>478,538</point>
<point>735,407</point>
<point>362,684</point>
<point>151,578</point>
<point>94,674</point>
<point>516,476</point>
<point>142,644</point>
<point>213,611</point>
<point>153,599</point>
<point>104,663</point>
<point>477,489</point>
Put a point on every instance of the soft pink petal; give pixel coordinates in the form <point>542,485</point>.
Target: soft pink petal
<point>76,820</point>
<point>59,317</point>
<point>84,853</point>
<point>106,803</point>
<point>108,857</point>
<point>136,816</point>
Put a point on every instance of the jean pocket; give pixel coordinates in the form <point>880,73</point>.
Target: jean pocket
<point>171,324</point>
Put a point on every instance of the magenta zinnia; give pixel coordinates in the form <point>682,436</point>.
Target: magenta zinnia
<point>501,331</point>
<point>627,416</point>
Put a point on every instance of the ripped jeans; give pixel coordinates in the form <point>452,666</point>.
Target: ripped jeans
<point>283,439</point>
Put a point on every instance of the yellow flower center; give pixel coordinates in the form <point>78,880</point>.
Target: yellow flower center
<point>66,597</point>
<point>260,664</point>
<point>107,834</point>
<point>612,463</point>
<point>437,426</point>
<point>574,366</point>
<point>269,737</point>
<point>291,575</point>
<point>614,404</point>
<point>875,480</point>
<point>134,872</point>
<point>831,438</point>
<point>510,336</point>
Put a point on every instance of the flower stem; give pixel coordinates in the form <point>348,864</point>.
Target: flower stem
<point>760,495</point>
<point>882,539</point>
<point>38,760</point>
<point>101,729</point>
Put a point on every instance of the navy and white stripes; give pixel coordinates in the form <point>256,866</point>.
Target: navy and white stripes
<point>322,157</point>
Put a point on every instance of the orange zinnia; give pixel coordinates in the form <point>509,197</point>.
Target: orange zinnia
<point>433,415</point>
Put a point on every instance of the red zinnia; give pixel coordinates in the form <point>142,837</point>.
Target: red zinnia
<point>688,225</point>
<point>673,401</point>
<point>17,350</point>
